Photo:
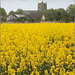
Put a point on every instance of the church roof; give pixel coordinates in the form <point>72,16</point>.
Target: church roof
<point>28,12</point>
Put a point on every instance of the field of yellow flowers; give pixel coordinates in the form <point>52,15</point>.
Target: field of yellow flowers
<point>37,49</point>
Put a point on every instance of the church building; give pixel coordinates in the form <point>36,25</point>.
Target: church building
<point>41,6</point>
<point>30,14</point>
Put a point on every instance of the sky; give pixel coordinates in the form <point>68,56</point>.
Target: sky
<point>9,5</point>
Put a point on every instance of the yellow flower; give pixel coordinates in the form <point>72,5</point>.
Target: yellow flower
<point>37,73</point>
<point>37,45</point>
<point>12,72</point>
<point>69,57</point>
<point>18,69</point>
<point>32,73</point>
<point>46,72</point>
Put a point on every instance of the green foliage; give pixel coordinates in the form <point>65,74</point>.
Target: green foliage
<point>20,19</point>
<point>49,14</point>
<point>37,19</point>
<point>3,20</point>
<point>60,15</point>
<point>19,11</point>
<point>70,11</point>
<point>11,12</point>
<point>31,20</point>
<point>2,12</point>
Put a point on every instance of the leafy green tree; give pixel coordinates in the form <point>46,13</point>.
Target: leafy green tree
<point>51,14</point>
<point>61,15</point>
<point>37,19</point>
<point>56,15</point>
<point>2,12</point>
<point>11,12</point>
<point>20,19</point>
<point>70,10</point>
<point>19,11</point>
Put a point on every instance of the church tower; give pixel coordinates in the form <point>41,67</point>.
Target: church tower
<point>42,6</point>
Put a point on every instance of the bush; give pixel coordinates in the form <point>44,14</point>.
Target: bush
<point>20,19</point>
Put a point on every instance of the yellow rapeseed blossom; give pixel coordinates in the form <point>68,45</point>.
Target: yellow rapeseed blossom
<point>37,48</point>
<point>46,72</point>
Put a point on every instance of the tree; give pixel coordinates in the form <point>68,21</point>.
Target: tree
<point>51,14</point>
<point>11,12</point>
<point>61,15</point>
<point>37,19</point>
<point>70,11</point>
<point>2,12</point>
<point>20,19</point>
<point>19,11</point>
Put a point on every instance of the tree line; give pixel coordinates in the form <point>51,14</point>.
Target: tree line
<point>60,15</point>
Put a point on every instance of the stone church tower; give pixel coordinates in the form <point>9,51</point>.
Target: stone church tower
<point>42,6</point>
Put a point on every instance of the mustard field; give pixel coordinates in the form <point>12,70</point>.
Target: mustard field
<point>37,49</point>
